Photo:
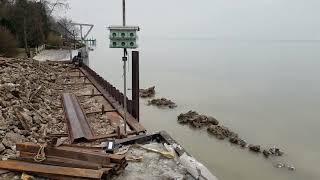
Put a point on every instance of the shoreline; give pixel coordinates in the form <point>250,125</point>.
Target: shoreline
<point>52,106</point>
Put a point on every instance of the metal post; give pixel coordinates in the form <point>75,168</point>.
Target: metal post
<point>74,40</point>
<point>124,59</point>
<point>81,34</point>
<point>135,84</point>
<point>123,12</point>
<point>125,92</point>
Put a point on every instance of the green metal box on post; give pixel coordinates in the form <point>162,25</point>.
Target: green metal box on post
<point>123,37</point>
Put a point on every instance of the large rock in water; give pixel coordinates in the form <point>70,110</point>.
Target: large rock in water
<point>255,148</point>
<point>11,138</point>
<point>185,118</point>
<point>212,120</point>
<point>146,93</point>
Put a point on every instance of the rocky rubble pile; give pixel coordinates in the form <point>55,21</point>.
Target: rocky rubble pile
<point>221,132</point>
<point>162,102</point>
<point>196,120</point>
<point>29,102</point>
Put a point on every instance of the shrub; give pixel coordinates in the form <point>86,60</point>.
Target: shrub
<point>8,43</point>
<point>54,40</point>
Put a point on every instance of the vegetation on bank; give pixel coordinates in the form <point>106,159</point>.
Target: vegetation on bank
<point>29,24</point>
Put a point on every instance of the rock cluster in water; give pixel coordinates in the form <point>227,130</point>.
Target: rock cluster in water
<point>29,103</point>
<point>196,120</point>
<point>162,102</point>
<point>221,132</point>
<point>148,93</point>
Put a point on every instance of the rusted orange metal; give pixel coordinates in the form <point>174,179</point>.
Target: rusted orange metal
<point>78,126</point>
<point>51,171</point>
<point>65,152</point>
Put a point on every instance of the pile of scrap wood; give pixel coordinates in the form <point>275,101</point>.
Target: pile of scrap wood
<point>65,161</point>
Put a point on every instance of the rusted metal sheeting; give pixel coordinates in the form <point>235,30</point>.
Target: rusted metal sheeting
<point>135,85</point>
<point>78,126</point>
<point>48,170</point>
<point>132,122</point>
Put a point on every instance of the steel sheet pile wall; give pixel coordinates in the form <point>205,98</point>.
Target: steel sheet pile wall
<point>114,92</point>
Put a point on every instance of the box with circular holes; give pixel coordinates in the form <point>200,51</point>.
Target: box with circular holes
<point>123,36</point>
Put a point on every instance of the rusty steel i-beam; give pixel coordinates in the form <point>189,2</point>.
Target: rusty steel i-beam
<point>78,126</point>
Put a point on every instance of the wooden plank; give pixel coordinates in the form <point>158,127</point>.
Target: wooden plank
<point>42,169</point>
<point>114,158</point>
<point>77,154</point>
<point>59,161</point>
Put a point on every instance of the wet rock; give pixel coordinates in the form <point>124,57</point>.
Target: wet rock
<point>163,102</point>
<point>213,120</point>
<point>276,151</point>
<point>221,132</point>
<point>234,140</point>
<point>266,153</point>
<point>196,120</point>
<point>255,148</point>
<point>185,118</point>
<point>147,93</point>
<point>291,168</point>
<point>280,165</point>
<point>243,143</point>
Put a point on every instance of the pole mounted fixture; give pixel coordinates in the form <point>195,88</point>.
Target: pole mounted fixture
<point>124,37</point>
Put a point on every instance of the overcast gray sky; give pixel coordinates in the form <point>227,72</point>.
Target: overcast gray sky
<point>235,19</point>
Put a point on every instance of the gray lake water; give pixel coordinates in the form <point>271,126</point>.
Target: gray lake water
<point>267,91</point>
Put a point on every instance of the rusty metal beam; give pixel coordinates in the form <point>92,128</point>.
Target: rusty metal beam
<point>69,84</point>
<point>101,112</point>
<point>49,170</point>
<point>78,126</point>
<point>74,76</point>
<point>135,85</point>
<point>92,95</point>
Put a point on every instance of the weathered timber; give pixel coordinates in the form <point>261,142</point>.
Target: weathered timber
<point>83,155</point>
<point>59,161</point>
<point>49,170</point>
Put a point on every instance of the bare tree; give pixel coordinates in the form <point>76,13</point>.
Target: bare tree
<point>54,5</point>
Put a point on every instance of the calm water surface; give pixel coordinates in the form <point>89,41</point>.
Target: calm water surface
<point>267,91</point>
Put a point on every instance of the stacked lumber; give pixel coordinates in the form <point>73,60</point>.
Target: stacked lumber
<point>65,162</point>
